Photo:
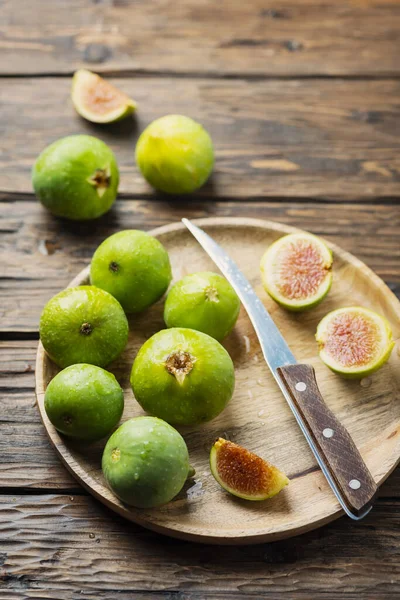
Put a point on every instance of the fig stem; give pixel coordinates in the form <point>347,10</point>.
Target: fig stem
<point>179,364</point>
<point>101,180</point>
<point>86,329</point>
<point>212,294</point>
<point>191,472</point>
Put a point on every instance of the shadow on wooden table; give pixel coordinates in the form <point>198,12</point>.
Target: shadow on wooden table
<point>338,558</point>
<point>127,128</point>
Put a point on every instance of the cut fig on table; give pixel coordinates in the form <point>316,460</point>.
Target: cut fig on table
<point>296,271</point>
<point>243,473</point>
<point>354,341</point>
<point>97,100</point>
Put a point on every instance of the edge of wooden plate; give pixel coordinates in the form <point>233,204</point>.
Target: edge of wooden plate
<point>105,496</point>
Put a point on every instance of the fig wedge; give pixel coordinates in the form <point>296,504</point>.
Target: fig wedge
<point>243,473</point>
<point>97,100</point>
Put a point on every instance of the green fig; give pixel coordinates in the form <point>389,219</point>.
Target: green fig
<point>204,301</point>
<point>175,154</point>
<point>146,462</point>
<point>183,376</point>
<point>134,267</point>
<point>83,325</point>
<point>76,177</point>
<point>84,402</point>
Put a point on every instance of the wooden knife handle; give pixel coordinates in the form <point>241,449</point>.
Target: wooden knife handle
<point>332,440</point>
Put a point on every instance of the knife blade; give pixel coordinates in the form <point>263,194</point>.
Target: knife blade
<point>331,444</point>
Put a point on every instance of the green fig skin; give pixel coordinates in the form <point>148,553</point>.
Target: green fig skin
<point>62,177</point>
<point>203,301</point>
<point>175,154</point>
<point>134,267</point>
<point>83,325</point>
<point>84,402</point>
<point>145,462</point>
<point>195,397</point>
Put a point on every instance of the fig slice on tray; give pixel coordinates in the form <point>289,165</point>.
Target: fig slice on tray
<point>354,341</point>
<point>243,473</point>
<point>97,100</point>
<point>296,271</point>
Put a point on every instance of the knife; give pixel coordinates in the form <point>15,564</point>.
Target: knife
<point>330,442</point>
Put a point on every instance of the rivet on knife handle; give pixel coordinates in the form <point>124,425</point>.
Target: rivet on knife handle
<point>333,441</point>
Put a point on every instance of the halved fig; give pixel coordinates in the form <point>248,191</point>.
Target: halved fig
<point>243,473</point>
<point>354,341</point>
<point>296,271</point>
<point>97,100</point>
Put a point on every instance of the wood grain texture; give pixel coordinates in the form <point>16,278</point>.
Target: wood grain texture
<point>70,547</point>
<point>338,451</point>
<point>27,459</point>
<point>40,254</point>
<point>229,37</point>
<point>257,411</point>
<point>314,139</point>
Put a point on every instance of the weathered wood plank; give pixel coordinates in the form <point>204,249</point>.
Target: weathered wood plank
<point>329,139</point>
<point>28,460</point>
<point>262,37</point>
<point>28,278</point>
<point>71,547</point>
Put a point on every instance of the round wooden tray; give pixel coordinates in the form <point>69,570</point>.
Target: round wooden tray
<point>257,416</point>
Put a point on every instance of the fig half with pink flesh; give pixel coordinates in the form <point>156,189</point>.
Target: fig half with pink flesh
<point>354,341</point>
<point>296,271</point>
<point>243,473</point>
<point>97,100</point>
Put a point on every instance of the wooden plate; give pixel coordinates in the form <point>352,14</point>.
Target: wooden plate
<point>257,415</point>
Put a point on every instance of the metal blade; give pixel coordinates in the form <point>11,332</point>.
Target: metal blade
<point>274,347</point>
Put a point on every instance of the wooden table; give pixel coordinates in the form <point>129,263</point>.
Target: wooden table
<point>302,101</point>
